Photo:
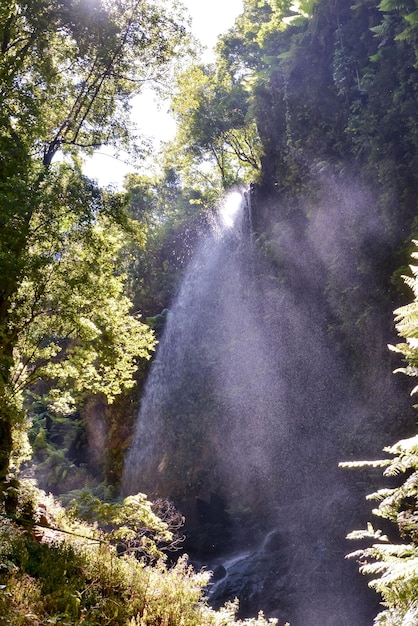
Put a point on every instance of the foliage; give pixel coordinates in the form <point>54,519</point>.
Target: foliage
<point>394,566</point>
<point>175,215</point>
<point>71,319</point>
<point>135,524</point>
<point>406,323</point>
<point>326,82</point>
<point>62,571</point>
<point>211,110</point>
<point>68,321</point>
<point>409,25</point>
<point>68,71</point>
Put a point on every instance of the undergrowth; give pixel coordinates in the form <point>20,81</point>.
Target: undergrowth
<point>67,572</point>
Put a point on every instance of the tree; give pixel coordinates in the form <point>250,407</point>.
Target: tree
<point>213,124</point>
<point>394,564</point>
<point>70,322</point>
<point>68,70</point>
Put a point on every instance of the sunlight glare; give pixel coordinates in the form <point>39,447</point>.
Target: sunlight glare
<point>230,208</point>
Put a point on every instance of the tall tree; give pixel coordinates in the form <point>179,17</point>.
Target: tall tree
<point>68,70</point>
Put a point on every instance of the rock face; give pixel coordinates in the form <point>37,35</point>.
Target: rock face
<point>257,577</point>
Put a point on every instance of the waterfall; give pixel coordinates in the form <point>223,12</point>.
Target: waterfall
<point>212,398</point>
<point>212,348</point>
<point>184,360</point>
<point>245,401</point>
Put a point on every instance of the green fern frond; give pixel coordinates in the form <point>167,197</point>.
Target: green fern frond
<point>393,5</point>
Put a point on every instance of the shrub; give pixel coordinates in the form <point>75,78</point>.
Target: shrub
<point>56,569</point>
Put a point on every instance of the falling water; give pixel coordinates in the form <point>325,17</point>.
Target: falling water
<point>184,362</point>
<point>212,384</point>
<point>247,400</point>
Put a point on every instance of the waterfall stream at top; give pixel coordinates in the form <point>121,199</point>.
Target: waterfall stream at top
<point>240,415</point>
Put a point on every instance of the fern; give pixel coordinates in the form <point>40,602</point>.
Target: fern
<point>393,567</point>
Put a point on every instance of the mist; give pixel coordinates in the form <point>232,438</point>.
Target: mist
<point>272,369</point>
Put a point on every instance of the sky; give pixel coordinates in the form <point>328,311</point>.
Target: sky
<point>209,19</point>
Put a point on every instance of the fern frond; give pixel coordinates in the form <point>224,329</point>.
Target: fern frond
<point>360,464</point>
<point>380,495</point>
<point>410,486</point>
<point>395,468</point>
<point>409,371</point>
<point>404,446</point>
<point>368,533</point>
